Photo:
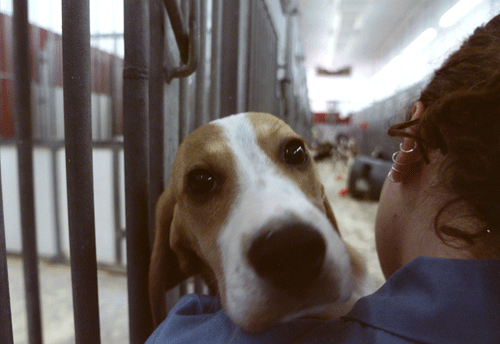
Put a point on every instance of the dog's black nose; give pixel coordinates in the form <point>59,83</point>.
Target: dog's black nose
<point>289,256</point>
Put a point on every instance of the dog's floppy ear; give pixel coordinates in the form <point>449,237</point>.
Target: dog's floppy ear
<point>328,210</point>
<point>164,269</point>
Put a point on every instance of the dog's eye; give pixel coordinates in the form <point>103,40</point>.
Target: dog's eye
<point>295,152</point>
<point>201,182</point>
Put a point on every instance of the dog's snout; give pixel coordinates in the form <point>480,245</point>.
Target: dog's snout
<point>290,256</point>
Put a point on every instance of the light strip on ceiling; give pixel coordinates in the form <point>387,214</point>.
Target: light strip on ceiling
<point>454,14</point>
<point>420,42</point>
<point>413,48</point>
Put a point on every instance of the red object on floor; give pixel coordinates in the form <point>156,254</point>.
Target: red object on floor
<point>343,192</point>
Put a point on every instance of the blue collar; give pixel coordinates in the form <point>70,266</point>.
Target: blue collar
<point>436,300</point>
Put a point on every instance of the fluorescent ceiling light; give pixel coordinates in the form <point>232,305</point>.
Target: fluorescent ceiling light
<point>389,68</point>
<point>413,48</point>
<point>420,42</point>
<point>457,12</point>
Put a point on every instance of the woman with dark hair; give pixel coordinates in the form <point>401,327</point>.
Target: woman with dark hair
<point>437,227</point>
<point>446,175</point>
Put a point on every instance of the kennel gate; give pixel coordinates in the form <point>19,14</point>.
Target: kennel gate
<point>147,81</point>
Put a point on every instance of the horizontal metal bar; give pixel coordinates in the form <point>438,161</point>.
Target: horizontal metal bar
<point>106,35</point>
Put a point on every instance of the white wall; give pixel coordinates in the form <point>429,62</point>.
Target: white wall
<point>106,17</point>
<point>45,203</point>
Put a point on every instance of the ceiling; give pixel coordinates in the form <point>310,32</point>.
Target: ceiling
<point>352,33</point>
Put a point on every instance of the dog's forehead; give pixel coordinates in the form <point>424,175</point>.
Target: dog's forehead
<point>207,139</point>
<point>215,144</point>
<point>265,125</point>
<point>263,129</point>
<point>206,146</point>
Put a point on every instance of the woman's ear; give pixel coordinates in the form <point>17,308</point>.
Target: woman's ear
<point>406,158</point>
<point>408,143</point>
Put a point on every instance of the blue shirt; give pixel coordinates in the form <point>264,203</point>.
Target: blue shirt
<point>430,300</point>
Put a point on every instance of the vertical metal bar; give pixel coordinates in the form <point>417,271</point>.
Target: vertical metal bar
<point>97,97</point>
<point>156,109</point>
<point>262,62</point>
<point>229,58</point>
<point>172,128</point>
<point>201,89</point>
<point>22,96</point>
<point>52,87</point>
<point>115,91</point>
<point>116,204</point>
<point>135,127</point>
<point>59,257</point>
<point>215,67</point>
<point>78,133</point>
<point>178,27</point>
<point>288,86</point>
<point>184,113</point>
<point>38,113</point>
<point>5,314</point>
<point>183,110</point>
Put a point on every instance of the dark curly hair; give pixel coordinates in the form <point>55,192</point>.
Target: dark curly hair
<point>462,121</point>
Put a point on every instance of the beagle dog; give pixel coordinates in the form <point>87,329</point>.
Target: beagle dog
<point>245,209</point>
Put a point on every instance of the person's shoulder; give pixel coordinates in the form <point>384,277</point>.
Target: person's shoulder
<point>192,316</point>
<point>350,331</point>
<point>200,319</point>
<point>195,304</point>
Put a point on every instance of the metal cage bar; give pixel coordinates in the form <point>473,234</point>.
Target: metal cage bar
<point>179,28</point>
<point>79,171</point>
<point>59,257</point>
<point>119,232</point>
<point>228,95</point>
<point>5,313</point>
<point>22,96</point>
<point>135,130</point>
<point>156,110</point>
<point>215,61</point>
<point>262,62</point>
<point>200,107</point>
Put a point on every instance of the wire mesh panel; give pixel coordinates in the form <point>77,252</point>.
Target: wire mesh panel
<point>262,59</point>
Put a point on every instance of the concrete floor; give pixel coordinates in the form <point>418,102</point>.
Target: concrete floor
<point>56,304</point>
<point>355,218</point>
